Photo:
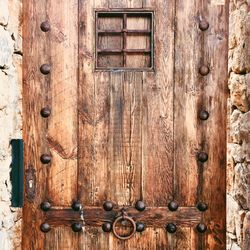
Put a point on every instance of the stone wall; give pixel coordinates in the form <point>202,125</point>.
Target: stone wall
<point>238,177</point>
<point>10,115</point>
<point>238,170</point>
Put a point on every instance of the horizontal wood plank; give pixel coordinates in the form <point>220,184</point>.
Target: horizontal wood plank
<point>151,216</point>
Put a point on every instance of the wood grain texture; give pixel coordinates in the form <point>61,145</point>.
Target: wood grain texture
<point>188,91</point>
<point>93,120</point>
<point>156,217</point>
<point>62,126</point>
<point>35,86</point>
<point>214,175</point>
<point>56,135</point>
<point>125,135</point>
<point>157,138</point>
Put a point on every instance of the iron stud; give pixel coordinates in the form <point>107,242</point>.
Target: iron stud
<point>76,206</point>
<point>204,70</point>
<point>203,25</point>
<point>45,227</point>
<point>171,228</point>
<point>45,112</point>
<point>45,69</point>
<point>108,205</point>
<point>45,158</point>
<point>173,206</point>
<point>202,157</point>
<point>201,228</point>
<point>203,115</point>
<point>107,227</point>
<point>76,227</point>
<point>45,206</point>
<point>140,206</point>
<point>45,26</point>
<point>140,227</point>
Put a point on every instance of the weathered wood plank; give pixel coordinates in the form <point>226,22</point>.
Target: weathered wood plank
<point>62,127</point>
<point>152,217</point>
<point>188,91</point>
<point>61,238</point>
<point>35,87</point>
<point>157,125</point>
<point>94,105</point>
<point>214,175</point>
<point>86,105</point>
<point>40,133</point>
<point>157,129</point>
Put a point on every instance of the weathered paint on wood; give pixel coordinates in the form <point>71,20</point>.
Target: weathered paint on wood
<point>125,135</point>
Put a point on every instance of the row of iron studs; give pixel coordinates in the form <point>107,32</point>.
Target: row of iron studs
<point>203,70</point>
<point>139,205</point>
<point>203,115</point>
<point>108,206</point>
<point>46,111</point>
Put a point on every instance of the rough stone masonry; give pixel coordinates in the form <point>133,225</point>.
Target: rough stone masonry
<point>238,168</point>
<point>10,115</point>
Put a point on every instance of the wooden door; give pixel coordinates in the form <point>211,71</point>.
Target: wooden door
<point>125,124</point>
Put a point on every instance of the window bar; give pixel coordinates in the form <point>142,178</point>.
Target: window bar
<point>124,39</point>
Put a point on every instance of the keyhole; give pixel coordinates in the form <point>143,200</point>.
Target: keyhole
<point>30,183</point>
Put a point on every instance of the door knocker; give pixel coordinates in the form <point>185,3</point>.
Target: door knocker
<point>125,220</point>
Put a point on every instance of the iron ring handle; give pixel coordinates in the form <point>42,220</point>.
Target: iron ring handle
<point>118,219</point>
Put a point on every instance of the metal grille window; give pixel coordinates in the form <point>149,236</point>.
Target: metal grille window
<point>124,40</point>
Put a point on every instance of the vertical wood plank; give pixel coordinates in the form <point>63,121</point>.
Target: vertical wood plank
<point>62,127</point>
<point>188,88</point>
<point>61,238</point>
<point>189,92</point>
<point>125,137</point>
<point>86,103</point>
<point>158,111</point>
<point>214,176</point>
<point>93,120</point>
<point>157,127</point>
<point>35,87</point>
